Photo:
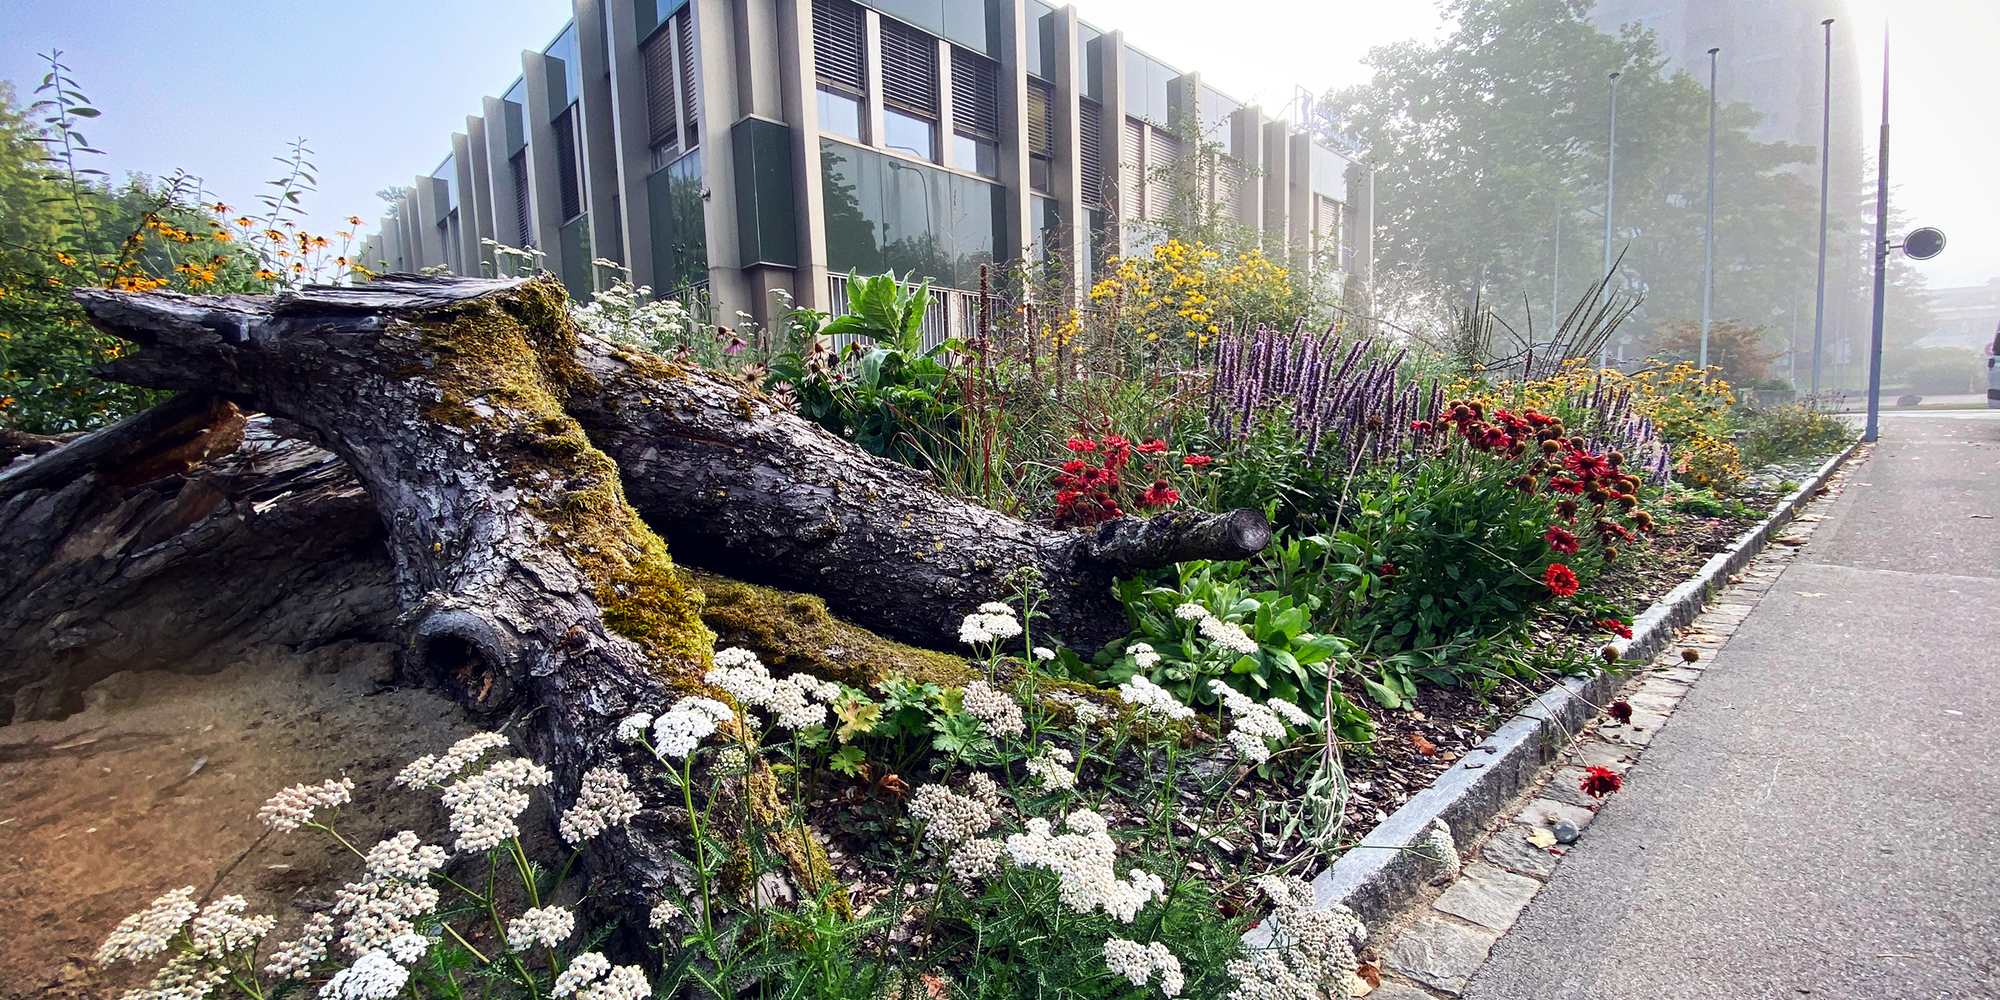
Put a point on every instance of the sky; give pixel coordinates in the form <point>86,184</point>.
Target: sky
<point>376,89</point>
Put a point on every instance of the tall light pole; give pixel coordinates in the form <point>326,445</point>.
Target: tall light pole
<point>1881,254</point>
<point>1610,187</point>
<point>1556,279</point>
<point>1708,240</point>
<point>1825,134</point>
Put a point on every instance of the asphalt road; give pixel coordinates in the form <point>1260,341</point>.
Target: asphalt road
<point>1821,816</point>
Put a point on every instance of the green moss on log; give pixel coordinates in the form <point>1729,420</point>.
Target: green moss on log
<point>796,633</point>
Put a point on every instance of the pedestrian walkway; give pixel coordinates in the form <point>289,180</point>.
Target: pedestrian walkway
<point>1817,817</point>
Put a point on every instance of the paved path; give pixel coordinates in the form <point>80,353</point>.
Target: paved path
<point>1820,817</point>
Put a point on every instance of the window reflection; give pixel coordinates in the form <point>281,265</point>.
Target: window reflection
<point>840,113</point>
<point>981,156</point>
<point>909,134</point>
<point>884,213</point>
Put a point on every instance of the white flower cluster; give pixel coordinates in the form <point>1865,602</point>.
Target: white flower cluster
<point>986,791</point>
<point>1044,654</point>
<point>997,709</point>
<point>605,800</point>
<point>374,976</point>
<point>993,622</point>
<point>1256,725</point>
<point>1147,696</point>
<point>628,315</point>
<point>1440,847</point>
<point>950,818</point>
<point>221,928</point>
<point>1292,713</point>
<point>680,729</point>
<point>1052,766</point>
<point>590,976</point>
<point>404,857</point>
<point>798,701</point>
<point>409,949</point>
<point>547,926</point>
<point>293,807</point>
<point>633,727</point>
<point>145,933</point>
<point>1088,713</point>
<point>665,912</point>
<point>1228,635</point>
<point>976,859</point>
<point>1143,655</point>
<point>380,910</point>
<point>294,957</point>
<point>1083,859</point>
<point>1311,955</point>
<point>184,977</point>
<point>485,805</point>
<point>1191,612</point>
<point>431,770</point>
<point>1137,962</point>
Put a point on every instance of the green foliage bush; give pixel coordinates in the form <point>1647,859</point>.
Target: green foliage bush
<point>1783,433</point>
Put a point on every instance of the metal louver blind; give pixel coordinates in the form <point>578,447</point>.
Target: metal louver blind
<point>517,167</point>
<point>909,68</point>
<point>1041,118</point>
<point>1132,170</point>
<point>658,55</point>
<point>684,34</point>
<point>568,178</point>
<point>975,94</point>
<point>1162,153</point>
<point>837,29</point>
<point>1090,139</point>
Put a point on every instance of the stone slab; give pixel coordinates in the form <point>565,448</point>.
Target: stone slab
<point>1538,812</point>
<point>1509,848</point>
<point>1439,952</point>
<point>1488,896</point>
<point>1397,991</point>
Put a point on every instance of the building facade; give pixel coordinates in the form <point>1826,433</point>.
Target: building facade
<point>747,146</point>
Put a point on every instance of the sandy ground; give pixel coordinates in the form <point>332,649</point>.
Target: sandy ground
<point>156,785</point>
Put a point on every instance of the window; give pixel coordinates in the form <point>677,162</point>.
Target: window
<point>839,113</point>
<point>569,175</point>
<point>663,130</point>
<point>517,170</point>
<point>981,156</point>
<point>1041,133</point>
<point>975,113</point>
<point>684,37</point>
<point>909,134</point>
<point>885,213</point>
<point>1090,137</point>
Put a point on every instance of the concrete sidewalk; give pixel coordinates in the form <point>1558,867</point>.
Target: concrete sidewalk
<point>1819,817</point>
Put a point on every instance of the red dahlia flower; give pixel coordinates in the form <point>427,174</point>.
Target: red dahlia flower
<point>1560,540</point>
<point>1080,445</point>
<point>1196,460</point>
<point>1151,446</point>
<point>1601,781</point>
<point>1159,495</point>
<point>1561,580</point>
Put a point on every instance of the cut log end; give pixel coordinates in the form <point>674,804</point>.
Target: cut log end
<point>1128,544</point>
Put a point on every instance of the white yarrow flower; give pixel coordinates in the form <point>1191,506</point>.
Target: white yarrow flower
<point>404,857</point>
<point>634,726</point>
<point>949,818</point>
<point>997,710</point>
<point>221,929</point>
<point>1143,655</point>
<point>547,926</point>
<point>294,807</point>
<point>145,933</point>
<point>605,800</point>
<point>1083,859</point>
<point>374,976</point>
<point>295,957</point>
<point>1044,653</point>
<point>433,770</point>
<point>1137,963</point>
<point>1191,612</point>
<point>1147,696</point>
<point>1052,767</point>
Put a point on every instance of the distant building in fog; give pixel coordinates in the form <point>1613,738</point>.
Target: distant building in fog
<point>1966,317</point>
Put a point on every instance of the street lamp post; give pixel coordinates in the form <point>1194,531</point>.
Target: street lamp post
<point>1881,255</point>
<point>1610,188</point>
<point>1825,133</point>
<point>1708,240</point>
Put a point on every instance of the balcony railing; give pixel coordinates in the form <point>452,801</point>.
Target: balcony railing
<point>951,312</point>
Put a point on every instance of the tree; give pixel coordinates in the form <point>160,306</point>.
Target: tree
<point>1741,350</point>
<point>1487,138</point>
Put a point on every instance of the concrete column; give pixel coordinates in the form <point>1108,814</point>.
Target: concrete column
<point>1188,134</point>
<point>631,129</point>
<point>1299,195</point>
<point>468,206</point>
<point>1066,172</point>
<point>544,194</point>
<point>1277,189</point>
<point>478,196</point>
<point>499,174</point>
<point>1124,204</point>
<point>716,53</point>
<point>1015,36</point>
<point>946,154</point>
<point>871,77</point>
<point>409,253</point>
<point>429,193</point>
<point>599,141</point>
<point>1246,144</point>
<point>801,110</point>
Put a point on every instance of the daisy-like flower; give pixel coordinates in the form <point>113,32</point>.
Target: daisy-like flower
<point>1147,696</point>
<point>404,857</point>
<point>1052,768</point>
<point>1290,713</point>
<point>605,800</point>
<point>663,913</point>
<point>591,976</point>
<point>993,622</point>
<point>1255,725</point>
<point>1191,612</point>
<point>1601,781</point>
<point>1228,635</point>
<point>998,711</point>
<point>976,859</point>
<point>739,672</point>
<point>145,933</point>
<point>1082,859</point>
<point>547,926</point>
<point>431,770</point>
<point>1137,963</point>
<point>374,976</point>
<point>1142,653</point>
<point>1561,580</point>
<point>294,807</point>
<point>679,730</point>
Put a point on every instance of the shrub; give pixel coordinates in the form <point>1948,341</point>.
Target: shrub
<point>1780,433</point>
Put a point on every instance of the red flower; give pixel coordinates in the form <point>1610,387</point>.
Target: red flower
<point>1159,495</point>
<point>1561,580</point>
<point>1601,781</point>
<point>1420,427</point>
<point>1566,509</point>
<point>1621,710</point>
<point>1387,571</point>
<point>1151,446</point>
<point>1196,460</point>
<point>1117,451</point>
<point>1586,465</point>
<point>1564,484</point>
<point>1560,540</point>
<point>1619,629</point>
<point>1080,445</point>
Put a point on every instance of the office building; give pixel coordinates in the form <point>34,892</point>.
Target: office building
<point>745,146</point>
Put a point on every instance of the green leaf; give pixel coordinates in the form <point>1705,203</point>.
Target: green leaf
<point>1382,695</point>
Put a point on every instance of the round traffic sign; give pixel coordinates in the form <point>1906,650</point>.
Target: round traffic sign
<point>1925,243</point>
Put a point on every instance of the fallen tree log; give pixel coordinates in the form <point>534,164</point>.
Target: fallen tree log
<point>743,488</point>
